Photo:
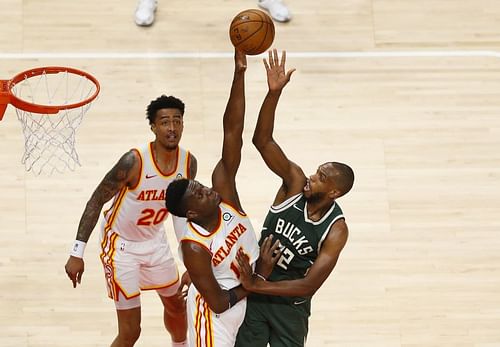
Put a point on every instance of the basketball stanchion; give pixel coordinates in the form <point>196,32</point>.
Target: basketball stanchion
<point>50,103</point>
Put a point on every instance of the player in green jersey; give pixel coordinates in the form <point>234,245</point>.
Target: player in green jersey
<point>310,227</point>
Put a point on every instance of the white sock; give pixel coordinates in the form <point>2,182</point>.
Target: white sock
<point>180,344</point>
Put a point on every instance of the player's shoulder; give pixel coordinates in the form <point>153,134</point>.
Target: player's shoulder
<point>129,158</point>
<point>339,231</point>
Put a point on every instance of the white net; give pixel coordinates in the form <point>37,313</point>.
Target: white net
<point>50,139</point>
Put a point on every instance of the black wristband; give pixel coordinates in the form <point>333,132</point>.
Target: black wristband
<point>233,299</point>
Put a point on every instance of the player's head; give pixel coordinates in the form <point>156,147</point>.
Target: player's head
<point>331,181</point>
<point>190,199</point>
<point>165,115</point>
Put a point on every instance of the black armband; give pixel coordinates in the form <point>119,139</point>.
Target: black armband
<point>233,299</point>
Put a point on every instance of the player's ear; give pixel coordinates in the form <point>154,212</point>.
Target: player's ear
<point>334,193</point>
<point>153,128</point>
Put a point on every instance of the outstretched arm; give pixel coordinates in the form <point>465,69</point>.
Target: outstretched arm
<point>292,175</point>
<point>224,174</point>
<point>117,178</point>
<point>317,274</point>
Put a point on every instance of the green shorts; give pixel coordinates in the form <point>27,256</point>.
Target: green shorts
<point>279,324</point>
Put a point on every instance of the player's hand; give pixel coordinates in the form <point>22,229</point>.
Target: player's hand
<point>269,255</point>
<point>240,61</point>
<point>185,282</point>
<point>277,77</point>
<point>246,272</point>
<point>74,269</point>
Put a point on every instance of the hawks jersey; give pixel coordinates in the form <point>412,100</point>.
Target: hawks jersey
<point>137,213</point>
<point>300,238</point>
<point>234,231</point>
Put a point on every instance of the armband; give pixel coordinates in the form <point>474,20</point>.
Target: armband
<point>233,299</point>
<point>78,249</point>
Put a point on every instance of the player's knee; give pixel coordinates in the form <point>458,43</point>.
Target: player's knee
<point>129,335</point>
<point>174,306</point>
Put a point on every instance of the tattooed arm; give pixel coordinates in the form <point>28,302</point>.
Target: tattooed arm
<point>124,173</point>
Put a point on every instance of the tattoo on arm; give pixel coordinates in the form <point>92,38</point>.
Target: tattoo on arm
<point>114,180</point>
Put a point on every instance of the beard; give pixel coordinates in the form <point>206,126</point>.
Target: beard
<point>315,197</point>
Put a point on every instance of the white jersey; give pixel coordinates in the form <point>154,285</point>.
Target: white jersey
<point>234,231</point>
<point>137,213</point>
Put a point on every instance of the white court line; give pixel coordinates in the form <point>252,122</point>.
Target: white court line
<point>211,55</point>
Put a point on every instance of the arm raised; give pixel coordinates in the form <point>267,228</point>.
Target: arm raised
<point>274,157</point>
<point>224,174</point>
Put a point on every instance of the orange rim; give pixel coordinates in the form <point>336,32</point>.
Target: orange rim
<point>7,97</point>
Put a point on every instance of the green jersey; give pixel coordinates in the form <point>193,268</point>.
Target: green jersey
<point>300,238</point>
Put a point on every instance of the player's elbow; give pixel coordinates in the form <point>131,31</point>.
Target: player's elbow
<point>259,142</point>
<point>307,290</point>
<point>217,304</point>
<point>218,307</point>
<point>310,291</point>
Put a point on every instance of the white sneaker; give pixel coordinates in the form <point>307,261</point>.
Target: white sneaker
<point>276,9</point>
<point>145,12</point>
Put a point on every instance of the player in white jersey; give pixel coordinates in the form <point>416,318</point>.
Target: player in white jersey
<point>135,253</point>
<point>217,231</point>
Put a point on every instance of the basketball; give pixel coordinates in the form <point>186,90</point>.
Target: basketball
<point>252,31</point>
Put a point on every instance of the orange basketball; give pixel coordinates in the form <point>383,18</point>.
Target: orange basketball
<point>252,31</point>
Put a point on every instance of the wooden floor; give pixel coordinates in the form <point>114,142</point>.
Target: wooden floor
<point>414,109</point>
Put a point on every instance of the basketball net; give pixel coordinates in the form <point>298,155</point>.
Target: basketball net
<point>50,139</point>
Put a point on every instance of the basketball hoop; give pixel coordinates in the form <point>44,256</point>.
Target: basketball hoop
<point>50,103</point>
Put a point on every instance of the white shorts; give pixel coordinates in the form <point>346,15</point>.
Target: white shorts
<point>206,328</point>
<point>130,267</point>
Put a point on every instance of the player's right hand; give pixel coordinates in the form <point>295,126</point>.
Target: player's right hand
<point>74,269</point>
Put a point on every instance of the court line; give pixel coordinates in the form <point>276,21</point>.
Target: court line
<point>214,55</point>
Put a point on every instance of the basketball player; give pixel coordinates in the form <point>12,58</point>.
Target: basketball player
<point>217,229</point>
<point>135,253</point>
<point>309,224</point>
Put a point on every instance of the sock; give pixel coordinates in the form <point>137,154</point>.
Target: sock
<point>180,344</point>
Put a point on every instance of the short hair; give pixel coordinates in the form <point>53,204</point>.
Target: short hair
<point>175,192</point>
<point>344,178</point>
<point>161,103</point>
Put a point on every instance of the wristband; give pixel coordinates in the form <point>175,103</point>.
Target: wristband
<point>260,276</point>
<point>233,299</point>
<point>78,249</point>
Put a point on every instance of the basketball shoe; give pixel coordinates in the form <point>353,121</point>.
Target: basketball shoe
<point>145,12</point>
<point>276,9</point>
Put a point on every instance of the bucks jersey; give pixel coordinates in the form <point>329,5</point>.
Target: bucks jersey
<point>137,213</point>
<point>300,238</point>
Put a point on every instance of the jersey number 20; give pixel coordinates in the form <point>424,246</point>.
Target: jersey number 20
<point>150,216</point>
